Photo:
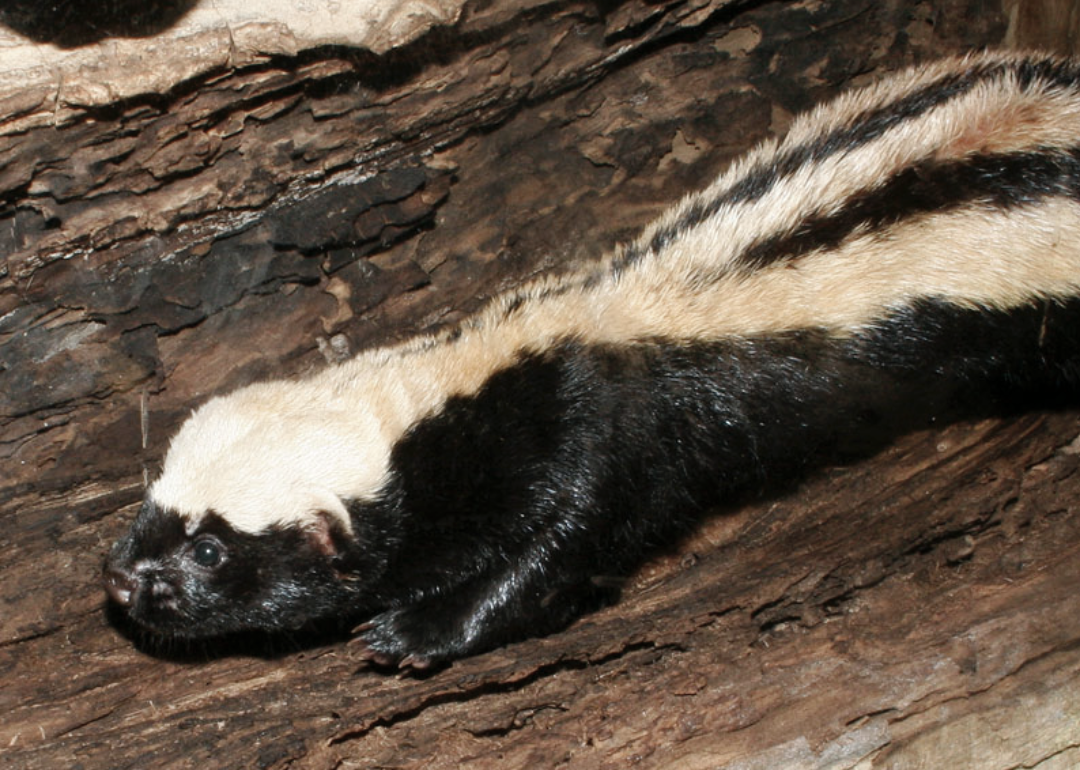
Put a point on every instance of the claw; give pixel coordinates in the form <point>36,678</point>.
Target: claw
<point>418,662</point>
<point>365,652</point>
<point>381,659</point>
<point>384,641</point>
<point>360,629</point>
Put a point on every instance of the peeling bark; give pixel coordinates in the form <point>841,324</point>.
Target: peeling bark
<point>262,212</point>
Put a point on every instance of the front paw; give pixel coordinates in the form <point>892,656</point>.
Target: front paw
<point>407,637</point>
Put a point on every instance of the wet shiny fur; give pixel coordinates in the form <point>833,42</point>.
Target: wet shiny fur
<point>909,252</point>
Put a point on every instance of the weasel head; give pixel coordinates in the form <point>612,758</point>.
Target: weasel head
<point>249,525</point>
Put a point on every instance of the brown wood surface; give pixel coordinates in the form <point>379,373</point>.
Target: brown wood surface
<point>918,609</point>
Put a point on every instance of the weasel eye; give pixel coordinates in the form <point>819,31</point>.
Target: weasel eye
<point>206,553</point>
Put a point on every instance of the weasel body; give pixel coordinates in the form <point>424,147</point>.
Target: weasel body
<point>910,251</point>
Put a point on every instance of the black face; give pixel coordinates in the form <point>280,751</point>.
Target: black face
<point>219,580</point>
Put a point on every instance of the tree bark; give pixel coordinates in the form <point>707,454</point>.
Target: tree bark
<point>186,208</point>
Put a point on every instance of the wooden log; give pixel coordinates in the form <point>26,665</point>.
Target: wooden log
<point>194,207</point>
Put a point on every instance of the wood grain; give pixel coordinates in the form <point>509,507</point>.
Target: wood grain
<point>262,215</point>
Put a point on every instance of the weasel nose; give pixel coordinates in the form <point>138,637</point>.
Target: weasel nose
<point>120,586</point>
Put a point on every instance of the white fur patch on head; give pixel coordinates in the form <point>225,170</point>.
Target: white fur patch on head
<point>274,453</point>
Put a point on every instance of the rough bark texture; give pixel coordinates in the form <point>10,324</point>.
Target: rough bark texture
<point>264,212</point>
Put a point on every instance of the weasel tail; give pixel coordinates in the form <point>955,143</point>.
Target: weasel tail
<point>909,252</point>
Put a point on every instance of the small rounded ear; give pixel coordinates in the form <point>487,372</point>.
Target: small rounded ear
<point>321,533</point>
<point>329,524</point>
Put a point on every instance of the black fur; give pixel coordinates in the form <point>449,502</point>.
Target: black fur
<point>517,510</point>
<point>275,581</point>
<point>934,187</point>
<point>512,512</point>
<point>865,128</point>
